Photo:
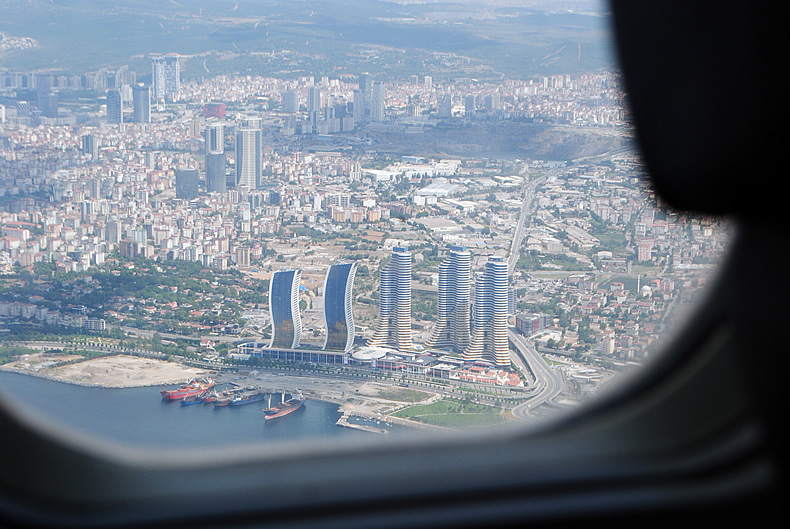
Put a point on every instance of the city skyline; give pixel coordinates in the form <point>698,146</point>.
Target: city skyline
<point>328,195</point>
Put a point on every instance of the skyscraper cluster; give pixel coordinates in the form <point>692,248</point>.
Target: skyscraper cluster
<point>486,337</point>
<point>394,325</point>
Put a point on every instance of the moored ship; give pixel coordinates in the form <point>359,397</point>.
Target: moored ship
<point>286,407</point>
<point>192,389</point>
<point>247,398</point>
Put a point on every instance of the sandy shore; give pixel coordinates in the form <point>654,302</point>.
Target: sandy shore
<point>108,372</point>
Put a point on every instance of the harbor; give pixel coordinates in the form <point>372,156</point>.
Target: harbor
<point>205,391</point>
<point>362,400</point>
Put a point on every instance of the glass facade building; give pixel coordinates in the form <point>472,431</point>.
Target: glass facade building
<point>114,109</point>
<point>186,183</point>
<point>284,308</point>
<point>141,100</point>
<point>338,314</point>
<point>214,136</point>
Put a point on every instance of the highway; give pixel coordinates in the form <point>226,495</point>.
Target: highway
<point>548,382</point>
<point>518,236</point>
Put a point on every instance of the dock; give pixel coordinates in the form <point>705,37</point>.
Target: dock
<point>343,421</point>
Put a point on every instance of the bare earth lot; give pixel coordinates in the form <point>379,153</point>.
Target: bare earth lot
<point>109,372</point>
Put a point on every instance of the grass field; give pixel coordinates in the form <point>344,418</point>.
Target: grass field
<point>453,414</point>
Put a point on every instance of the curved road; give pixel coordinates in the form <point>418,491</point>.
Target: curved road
<point>547,381</point>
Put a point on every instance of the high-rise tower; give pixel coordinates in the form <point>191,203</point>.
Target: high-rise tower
<point>313,105</point>
<point>114,109</point>
<point>359,106</point>
<point>377,103</point>
<point>166,77</point>
<point>338,313</point>
<point>290,101</point>
<point>394,325</point>
<point>455,281</point>
<point>248,157</point>
<point>141,99</point>
<point>489,336</point>
<point>214,136</point>
<point>46,99</point>
<point>187,183</point>
<point>284,308</point>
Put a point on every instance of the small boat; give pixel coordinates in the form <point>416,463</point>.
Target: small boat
<point>188,401</point>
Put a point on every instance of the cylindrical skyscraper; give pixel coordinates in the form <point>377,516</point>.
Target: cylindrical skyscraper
<point>394,325</point>
<point>452,322</point>
<point>489,337</point>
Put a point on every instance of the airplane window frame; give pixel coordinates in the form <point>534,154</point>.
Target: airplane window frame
<point>690,436</point>
<point>617,449</point>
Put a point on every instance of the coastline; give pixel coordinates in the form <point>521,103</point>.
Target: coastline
<point>353,398</point>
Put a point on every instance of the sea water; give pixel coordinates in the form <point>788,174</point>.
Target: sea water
<point>140,416</point>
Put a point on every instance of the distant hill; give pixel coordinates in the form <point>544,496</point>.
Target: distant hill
<point>322,37</point>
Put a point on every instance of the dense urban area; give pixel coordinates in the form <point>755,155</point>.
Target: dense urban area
<point>151,218</point>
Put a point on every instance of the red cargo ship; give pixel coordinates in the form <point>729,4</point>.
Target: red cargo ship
<point>191,389</point>
<point>284,408</point>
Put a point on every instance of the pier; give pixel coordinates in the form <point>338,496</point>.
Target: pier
<point>343,421</point>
